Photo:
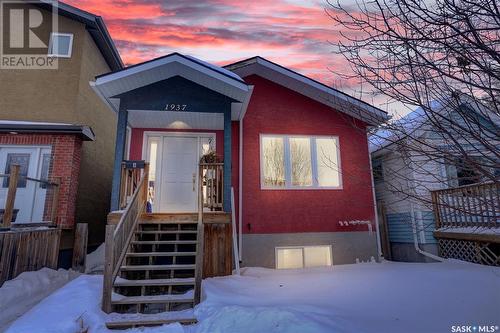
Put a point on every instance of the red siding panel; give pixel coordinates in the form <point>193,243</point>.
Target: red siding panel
<point>274,109</point>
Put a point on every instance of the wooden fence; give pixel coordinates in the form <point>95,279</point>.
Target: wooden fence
<point>27,250</point>
<point>218,246</point>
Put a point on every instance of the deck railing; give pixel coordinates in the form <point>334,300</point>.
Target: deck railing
<point>212,180</point>
<point>468,206</point>
<point>118,236</point>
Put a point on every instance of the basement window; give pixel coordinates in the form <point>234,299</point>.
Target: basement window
<point>303,256</point>
<point>60,45</point>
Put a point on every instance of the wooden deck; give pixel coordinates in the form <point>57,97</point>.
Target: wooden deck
<point>468,222</point>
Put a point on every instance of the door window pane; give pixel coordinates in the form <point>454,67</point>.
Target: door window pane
<point>23,161</point>
<point>44,175</point>
<point>273,155</point>
<point>327,161</point>
<point>207,146</point>
<point>153,157</point>
<point>300,158</point>
<point>316,256</point>
<point>289,258</point>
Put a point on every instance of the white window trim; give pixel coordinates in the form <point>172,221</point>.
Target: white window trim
<point>288,167</point>
<point>301,247</point>
<point>70,50</point>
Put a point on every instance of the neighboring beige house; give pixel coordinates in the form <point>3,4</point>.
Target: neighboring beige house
<point>64,96</point>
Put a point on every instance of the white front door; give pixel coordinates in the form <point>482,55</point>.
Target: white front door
<point>178,188</point>
<point>34,162</point>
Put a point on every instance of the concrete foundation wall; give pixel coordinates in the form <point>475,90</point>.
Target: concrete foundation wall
<point>258,249</point>
<point>406,252</point>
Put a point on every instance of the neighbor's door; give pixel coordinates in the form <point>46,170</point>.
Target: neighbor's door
<point>30,196</point>
<point>178,174</point>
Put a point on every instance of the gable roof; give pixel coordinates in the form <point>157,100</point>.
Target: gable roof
<point>218,79</point>
<point>417,119</point>
<point>311,88</point>
<point>95,26</point>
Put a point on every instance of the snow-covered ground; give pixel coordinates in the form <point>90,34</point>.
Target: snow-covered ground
<point>20,294</point>
<point>387,297</point>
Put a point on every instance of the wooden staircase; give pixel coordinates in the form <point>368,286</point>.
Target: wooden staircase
<point>154,262</point>
<point>158,273</point>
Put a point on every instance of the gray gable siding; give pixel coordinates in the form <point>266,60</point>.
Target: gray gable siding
<point>175,90</point>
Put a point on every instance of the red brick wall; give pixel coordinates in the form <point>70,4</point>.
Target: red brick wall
<point>65,166</point>
<point>274,109</point>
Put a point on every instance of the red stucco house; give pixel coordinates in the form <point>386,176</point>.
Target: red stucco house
<point>294,151</point>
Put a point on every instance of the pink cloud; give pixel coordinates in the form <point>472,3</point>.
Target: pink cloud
<point>221,31</point>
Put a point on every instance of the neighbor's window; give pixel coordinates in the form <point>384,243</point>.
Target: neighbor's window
<point>299,162</point>
<point>21,159</point>
<point>378,170</point>
<point>462,172</point>
<point>44,174</point>
<point>303,256</point>
<point>60,45</point>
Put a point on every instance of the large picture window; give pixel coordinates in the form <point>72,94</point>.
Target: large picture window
<point>302,162</point>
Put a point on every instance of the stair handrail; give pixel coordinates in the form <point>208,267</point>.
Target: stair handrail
<point>198,275</point>
<point>234,234</point>
<point>118,238</point>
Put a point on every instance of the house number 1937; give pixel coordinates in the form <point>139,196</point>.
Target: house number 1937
<point>175,107</point>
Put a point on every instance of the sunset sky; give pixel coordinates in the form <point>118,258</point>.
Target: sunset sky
<point>294,33</point>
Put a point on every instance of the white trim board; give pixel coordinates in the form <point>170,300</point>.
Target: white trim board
<point>160,136</point>
<point>310,88</point>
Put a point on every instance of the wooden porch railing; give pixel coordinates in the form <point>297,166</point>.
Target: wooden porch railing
<point>130,177</point>
<point>51,198</point>
<point>118,236</point>
<point>467,206</point>
<point>212,180</point>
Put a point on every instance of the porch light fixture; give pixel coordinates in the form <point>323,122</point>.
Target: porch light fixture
<point>178,124</point>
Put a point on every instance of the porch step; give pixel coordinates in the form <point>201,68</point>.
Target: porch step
<point>155,267</point>
<point>164,232</point>
<point>124,321</point>
<point>179,242</point>
<point>125,324</point>
<point>159,221</point>
<point>154,282</point>
<point>160,254</point>
<point>157,299</point>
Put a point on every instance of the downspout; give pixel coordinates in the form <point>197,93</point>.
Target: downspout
<point>240,174</point>
<point>413,222</point>
<point>375,210</point>
<point>240,190</point>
